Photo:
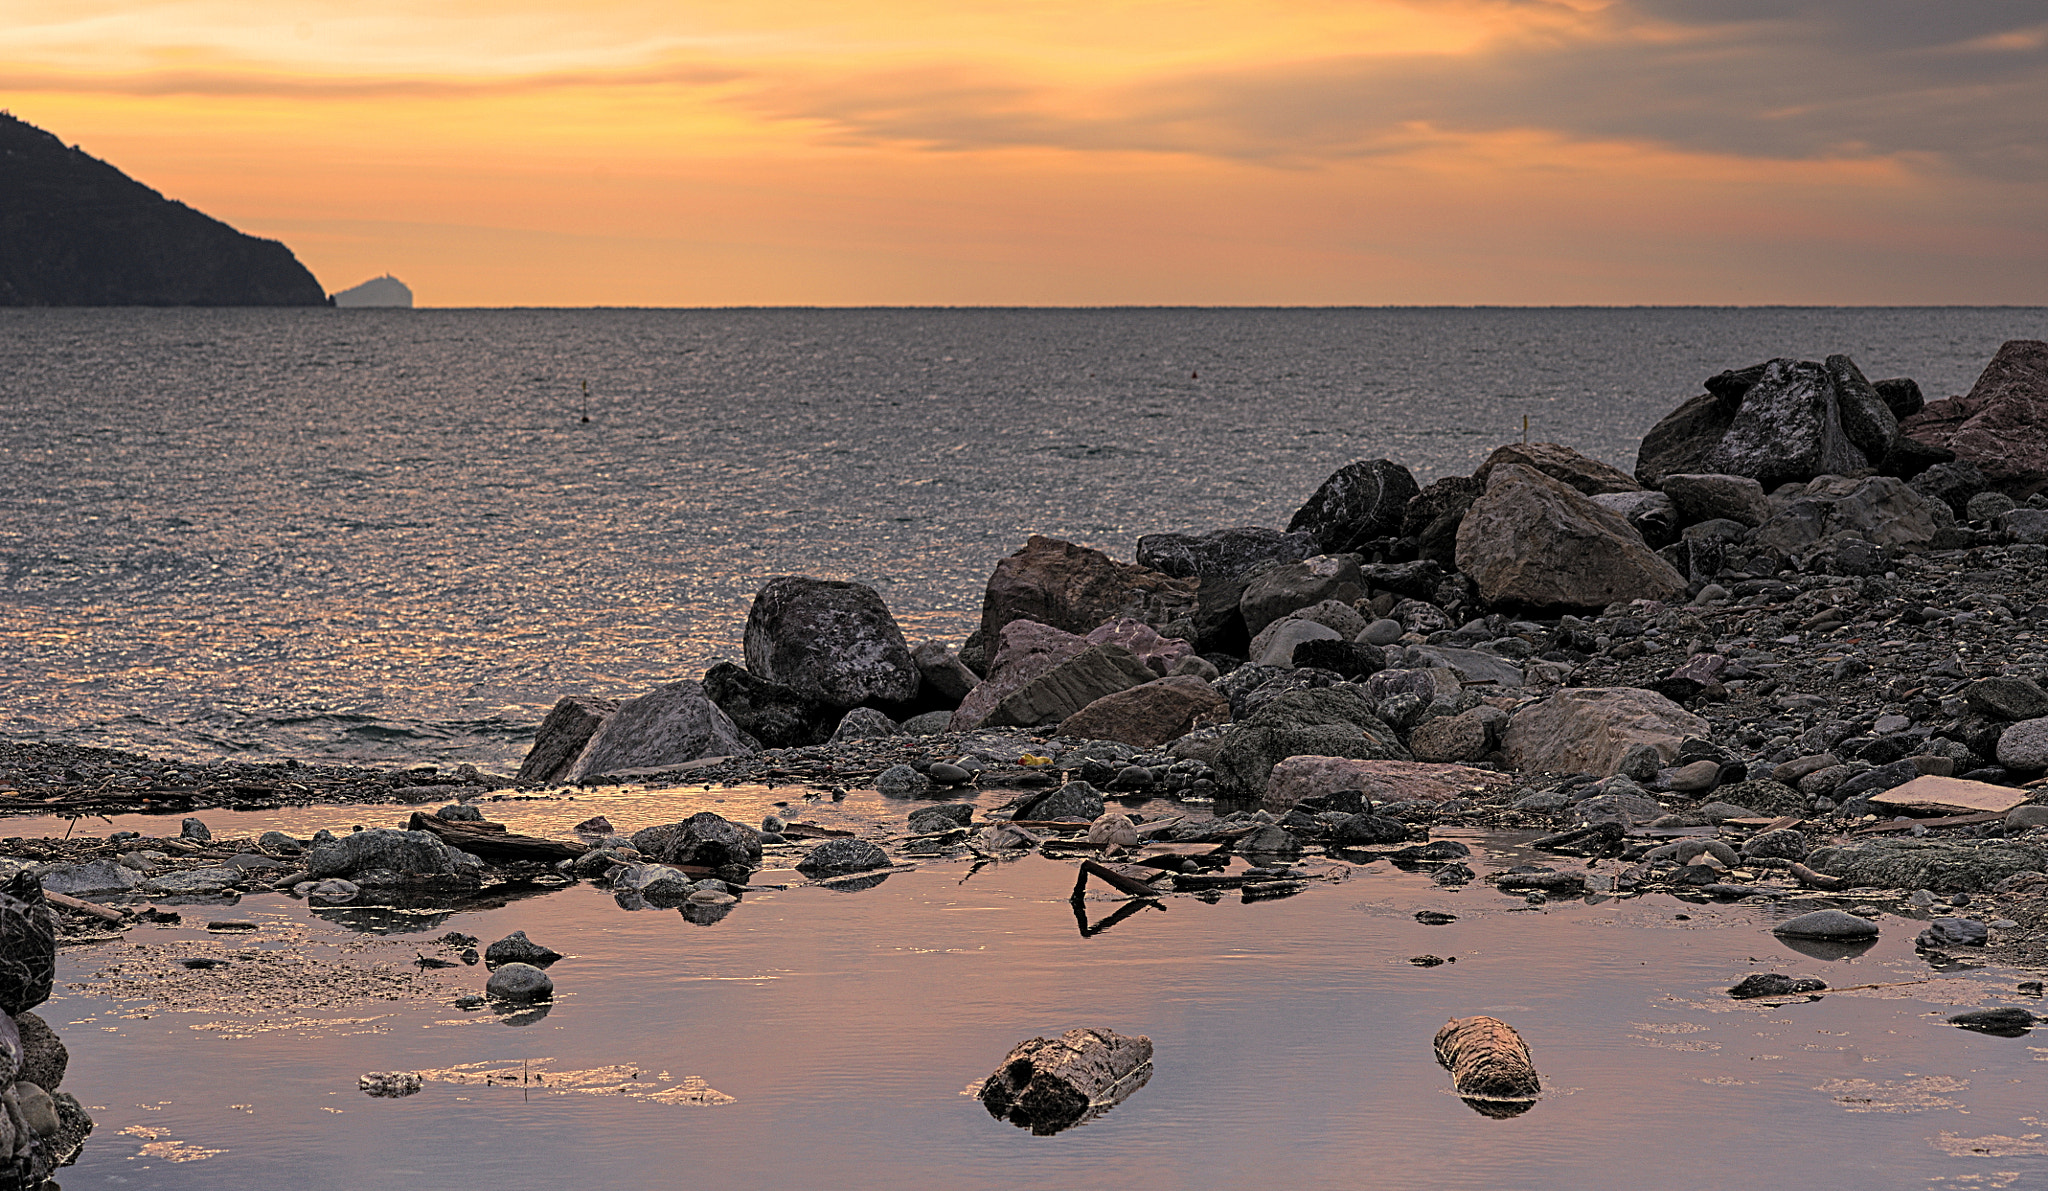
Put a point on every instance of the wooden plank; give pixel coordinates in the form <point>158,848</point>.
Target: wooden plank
<point>1950,821</point>
<point>498,845</point>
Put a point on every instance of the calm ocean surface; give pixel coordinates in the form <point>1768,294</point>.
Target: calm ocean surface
<point>387,535</point>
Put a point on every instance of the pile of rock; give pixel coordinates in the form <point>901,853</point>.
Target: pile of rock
<point>41,1128</point>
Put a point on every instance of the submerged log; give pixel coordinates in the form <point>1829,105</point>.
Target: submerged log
<point>493,842</point>
<point>1050,1084</point>
<point>1487,1059</point>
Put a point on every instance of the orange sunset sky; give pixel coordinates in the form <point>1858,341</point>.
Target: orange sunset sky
<point>633,152</point>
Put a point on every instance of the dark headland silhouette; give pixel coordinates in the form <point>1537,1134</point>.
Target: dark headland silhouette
<point>75,231</point>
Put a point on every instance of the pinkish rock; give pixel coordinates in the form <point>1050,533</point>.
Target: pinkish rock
<point>1588,475</point>
<point>1077,589</point>
<point>1160,654</point>
<point>2001,426</point>
<point>1025,651</point>
<point>1297,778</point>
<point>1150,715</point>
<point>1590,729</point>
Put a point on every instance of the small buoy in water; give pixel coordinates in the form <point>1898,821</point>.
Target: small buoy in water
<point>1194,376</point>
<point>586,402</point>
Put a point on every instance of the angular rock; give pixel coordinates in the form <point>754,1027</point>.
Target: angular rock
<point>843,856</point>
<point>945,817</point>
<point>1588,476</point>
<point>1289,587</point>
<point>1590,729</point>
<point>1329,722</point>
<point>705,839</point>
<point>2001,425</point>
<point>1953,932</point>
<point>1367,831</point>
<point>776,714</point>
<point>2029,526</point>
<point>1070,686</point>
<point>1707,497</point>
<point>1901,394</point>
<point>1532,540</point>
<point>1953,484</point>
<point>1076,589</point>
<point>1351,659</point>
<point>944,674</point>
<point>1309,777</point>
<point>833,641</point>
<point>1221,553</point>
<point>1075,800</point>
<point>2024,745</point>
<point>667,726</point>
<point>1360,502</point>
<point>657,883</point>
<point>98,878</point>
<point>562,736</point>
<point>1150,714</point>
<point>1464,737</point>
<point>44,1058</point>
<point>1867,420</point>
<point>2007,697</point>
<point>1472,666</point>
<point>28,944</point>
<point>1025,650</point>
<point>1783,844</point>
<point>1681,442</point>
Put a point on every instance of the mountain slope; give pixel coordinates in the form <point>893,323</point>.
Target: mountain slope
<point>75,231</point>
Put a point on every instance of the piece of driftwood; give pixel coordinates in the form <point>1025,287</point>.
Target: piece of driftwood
<point>1121,882</point>
<point>1487,1059</point>
<point>1814,878</point>
<point>495,845</point>
<point>67,902</point>
<point>1947,821</point>
<point>1050,1084</point>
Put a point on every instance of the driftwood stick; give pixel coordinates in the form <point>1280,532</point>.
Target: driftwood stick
<point>1818,880</point>
<point>496,845</point>
<point>1486,1058</point>
<point>96,910</point>
<point>1112,878</point>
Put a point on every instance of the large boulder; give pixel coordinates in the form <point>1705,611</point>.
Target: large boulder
<point>1876,509</point>
<point>1590,729</point>
<point>833,641</point>
<point>1783,420</point>
<point>1297,778</point>
<point>1070,686</point>
<point>667,726</point>
<point>1533,540</point>
<point>1360,502</point>
<point>1076,589</point>
<point>773,713</point>
<point>705,839</point>
<point>1222,561</point>
<point>1151,714</point>
<point>98,878</point>
<point>1025,651</point>
<point>2001,425</point>
<point>1973,866</point>
<point>1287,588</point>
<point>562,737</point>
<point>1588,476</point>
<point>945,675</point>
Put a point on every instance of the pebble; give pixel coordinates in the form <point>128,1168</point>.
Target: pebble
<point>1696,777</point>
<point>1827,924</point>
<point>949,774</point>
<point>520,982</point>
<point>901,781</point>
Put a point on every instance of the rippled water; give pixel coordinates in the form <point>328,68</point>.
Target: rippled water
<point>1292,1041</point>
<point>387,535</point>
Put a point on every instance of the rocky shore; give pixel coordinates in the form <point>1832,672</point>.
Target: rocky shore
<point>1795,658</point>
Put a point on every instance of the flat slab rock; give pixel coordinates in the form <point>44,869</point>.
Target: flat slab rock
<point>1950,795</point>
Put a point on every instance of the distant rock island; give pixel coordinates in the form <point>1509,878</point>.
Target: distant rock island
<point>377,291</point>
<point>75,231</point>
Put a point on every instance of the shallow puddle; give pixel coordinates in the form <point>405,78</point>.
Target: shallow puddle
<point>822,1036</point>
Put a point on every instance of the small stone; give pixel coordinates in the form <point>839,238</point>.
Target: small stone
<point>196,831</point>
<point>1953,932</point>
<point>948,774</point>
<point>279,842</point>
<point>843,856</point>
<point>456,812</point>
<point>520,982</point>
<point>1774,984</point>
<point>926,820</point>
<point>1434,917</point>
<point>2007,1020</point>
<point>1827,924</point>
<point>2024,745</point>
<point>2023,818</point>
<point>1382,632</point>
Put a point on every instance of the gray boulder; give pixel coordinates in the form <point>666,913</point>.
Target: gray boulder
<point>1221,553</point>
<point>1788,427</point>
<point>98,878</point>
<point>1827,924</point>
<point>2024,745</point>
<point>944,674</point>
<point>1650,514</point>
<point>1289,587</point>
<point>1581,473</point>
<point>1075,800</point>
<point>1334,721</point>
<point>668,726</point>
<point>516,948</point>
<point>1274,646</point>
<point>1532,540</point>
<point>2007,697</point>
<point>1590,729</point>
<point>1941,865</point>
<point>833,641</point>
<point>1432,518</point>
<point>1360,502</point>
<point>520,982</point>
<point>655,883</point>
<point>864,723</point>
<point>417,853</point>
<point>703,839</point>
<point>1877,509</point>
<point>901,781</point>
<point>1025,650</point>
<point>774,714</point>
